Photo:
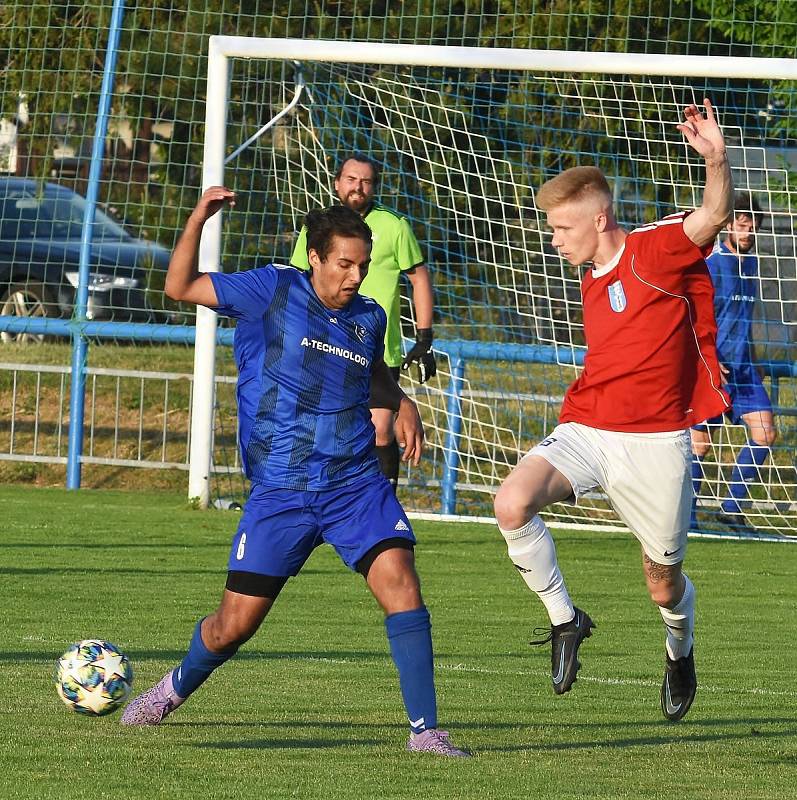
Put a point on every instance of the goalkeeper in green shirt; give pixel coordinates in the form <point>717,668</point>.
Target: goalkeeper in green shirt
<point>395,252</point>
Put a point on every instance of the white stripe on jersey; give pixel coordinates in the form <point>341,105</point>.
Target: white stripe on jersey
<point>287,266</point>
<point>691,323</point>
<point>670,219</point>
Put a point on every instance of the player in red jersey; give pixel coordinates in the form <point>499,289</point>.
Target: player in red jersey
<point>651,371</point>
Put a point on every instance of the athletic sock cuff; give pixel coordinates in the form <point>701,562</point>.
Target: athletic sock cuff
<point>687,599</point>
<point>407,622</point>
<point>206,654</point>
<point>534,525</point>
<point>758,450</point>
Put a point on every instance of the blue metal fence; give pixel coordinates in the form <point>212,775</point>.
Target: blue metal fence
<point>459,352</point>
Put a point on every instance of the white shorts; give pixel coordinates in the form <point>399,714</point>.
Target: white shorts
<point>646,476</point>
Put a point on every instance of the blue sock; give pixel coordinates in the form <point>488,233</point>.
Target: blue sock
<point>750,458</point>
<point>410,637</point>
<point>197,665</point>
<point>697,473</point>
<point>697,482</point>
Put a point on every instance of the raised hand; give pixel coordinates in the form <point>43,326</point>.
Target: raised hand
<point>183,279</point>
<point>704,135</point>
<point>702,132</point>
<point>211,202</point>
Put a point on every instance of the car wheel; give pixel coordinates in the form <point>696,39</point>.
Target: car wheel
<point>26,300</point>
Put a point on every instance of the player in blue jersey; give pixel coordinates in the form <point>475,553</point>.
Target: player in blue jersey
<point>395,252</point>
<point>309,351</point>
<point>734,273</point>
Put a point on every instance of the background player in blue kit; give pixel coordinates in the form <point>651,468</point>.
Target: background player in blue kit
<point>309,350</point>
<point>734,273</point>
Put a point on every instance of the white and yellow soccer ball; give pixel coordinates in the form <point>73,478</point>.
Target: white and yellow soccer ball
<point>93,677</point>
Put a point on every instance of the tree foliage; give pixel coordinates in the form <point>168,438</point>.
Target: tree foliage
<point>54,53</point>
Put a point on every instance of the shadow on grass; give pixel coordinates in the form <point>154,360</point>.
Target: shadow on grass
<point>163,572</point>
<point>303,724</point>
<point>76,544</point>
<point>108,571</point>
<point>683,734</point>
<point>294,743</point>
<point>464,727</point>
<point>289,744</point>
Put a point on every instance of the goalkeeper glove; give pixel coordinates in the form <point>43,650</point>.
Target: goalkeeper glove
<point>421,355</point>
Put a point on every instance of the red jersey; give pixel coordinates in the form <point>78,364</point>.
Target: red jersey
<point>651,362</point>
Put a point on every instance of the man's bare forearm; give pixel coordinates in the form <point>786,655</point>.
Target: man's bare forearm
<point>422,295</point>
<point>386,393</point>
<point>184,281</point>
<point>718,193</point>
<point>184,263</point>
<point>704,135</point>
<point>703,225</point>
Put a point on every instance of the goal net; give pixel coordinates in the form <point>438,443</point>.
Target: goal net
<point>465,136</point>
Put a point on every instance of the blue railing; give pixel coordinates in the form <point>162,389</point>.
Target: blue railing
<point>459,351</point>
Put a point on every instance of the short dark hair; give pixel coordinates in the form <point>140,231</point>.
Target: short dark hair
<point>744,203</point>
<point>323,224</point>
<point>363,159</point>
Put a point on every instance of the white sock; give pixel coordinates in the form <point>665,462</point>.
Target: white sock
<point>680,623</point>
<point>533,552</point>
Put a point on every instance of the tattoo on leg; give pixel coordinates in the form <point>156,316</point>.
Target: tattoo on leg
<point>659,572</point>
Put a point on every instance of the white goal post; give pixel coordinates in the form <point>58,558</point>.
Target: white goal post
<point>571,73</point>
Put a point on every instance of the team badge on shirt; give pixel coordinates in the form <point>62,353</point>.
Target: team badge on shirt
<point>360,331</point>
<point>617,296</point>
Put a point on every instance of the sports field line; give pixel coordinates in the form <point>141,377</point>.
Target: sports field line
<point>620,681</point>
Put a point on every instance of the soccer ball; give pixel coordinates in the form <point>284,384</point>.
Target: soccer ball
<point>93,677</point>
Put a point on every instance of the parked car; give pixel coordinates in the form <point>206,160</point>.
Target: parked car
<point>40,231</point>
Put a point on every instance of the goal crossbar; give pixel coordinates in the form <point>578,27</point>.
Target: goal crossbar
<point>505,58</point>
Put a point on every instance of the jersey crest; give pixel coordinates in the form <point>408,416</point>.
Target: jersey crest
<point>360,331</point>
<point>617,296</point>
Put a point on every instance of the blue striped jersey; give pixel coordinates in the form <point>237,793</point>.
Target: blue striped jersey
<point>303,379</point>
<point>735,280</point>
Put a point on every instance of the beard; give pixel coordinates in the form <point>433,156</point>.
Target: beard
<point>745,245</point>
<point>356,201</point>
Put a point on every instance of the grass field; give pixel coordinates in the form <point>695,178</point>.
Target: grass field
<point>310,707</point>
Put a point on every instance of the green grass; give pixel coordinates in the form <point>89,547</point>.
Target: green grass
<point>310,707</point>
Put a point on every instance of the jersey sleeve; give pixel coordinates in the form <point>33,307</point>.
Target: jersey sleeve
<point>299,257</point>
<point>380,323</point>
<point>244,295</point>
<point>668,248</point>
<point>379,353</point>
<point>408,251</point>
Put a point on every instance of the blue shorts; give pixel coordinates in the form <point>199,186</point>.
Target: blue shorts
<point>280,528</point>
<point>747,395</point>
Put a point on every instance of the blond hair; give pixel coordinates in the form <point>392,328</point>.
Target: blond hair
<point>577,183</point>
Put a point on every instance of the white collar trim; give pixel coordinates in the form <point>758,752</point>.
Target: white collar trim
<point>610,265</point>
